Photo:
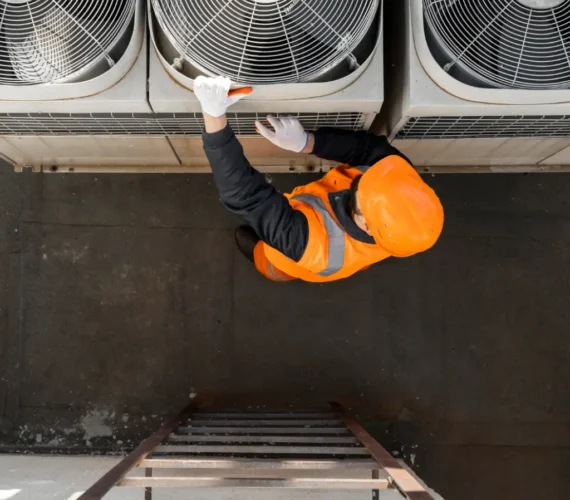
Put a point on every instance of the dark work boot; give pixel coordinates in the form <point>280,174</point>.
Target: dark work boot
<point>246,239</point>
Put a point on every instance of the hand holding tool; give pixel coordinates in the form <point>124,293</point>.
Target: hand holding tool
<point>215,95</point>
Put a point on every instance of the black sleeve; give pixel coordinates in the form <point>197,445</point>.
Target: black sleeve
<point>246,193</point>
<point>352,148</point>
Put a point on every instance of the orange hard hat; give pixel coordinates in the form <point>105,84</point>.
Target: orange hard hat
<point>402,212</point>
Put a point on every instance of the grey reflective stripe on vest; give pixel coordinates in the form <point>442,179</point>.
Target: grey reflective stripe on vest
<point>363,168</point>
<point>273,273</point>
<point>336,236</point>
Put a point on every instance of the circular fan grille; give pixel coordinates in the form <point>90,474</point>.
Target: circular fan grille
<point>265,41</point>
<point>504,43</point>
<point>53,41</point>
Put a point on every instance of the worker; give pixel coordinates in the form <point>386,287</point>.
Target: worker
<point>371,207</point>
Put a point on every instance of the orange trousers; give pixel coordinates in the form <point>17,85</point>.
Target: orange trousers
<point>267,268</point>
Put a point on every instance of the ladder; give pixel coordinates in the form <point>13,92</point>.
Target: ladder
<point>259,448</point>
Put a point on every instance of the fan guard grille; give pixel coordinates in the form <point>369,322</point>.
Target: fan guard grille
<point>265,41</point>
<point>156,124</point>
<point>504,43</point>
<point>55,41</point>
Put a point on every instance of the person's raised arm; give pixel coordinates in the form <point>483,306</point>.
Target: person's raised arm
<point>243,190</point>
<point>343,146</point>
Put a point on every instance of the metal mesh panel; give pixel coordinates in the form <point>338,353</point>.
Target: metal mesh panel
<point>456,127</point>
<point>154,124</point>
<point>266,41</point>
<point>48,41</point>
<point>504,43</point>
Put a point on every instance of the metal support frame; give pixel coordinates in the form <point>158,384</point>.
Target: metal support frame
<point>135,457</point>
<point>298,167</point>
<point>309,449</point>
<point>408,485</point>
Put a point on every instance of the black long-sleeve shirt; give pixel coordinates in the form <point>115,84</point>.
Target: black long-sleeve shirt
<point>245,192</point>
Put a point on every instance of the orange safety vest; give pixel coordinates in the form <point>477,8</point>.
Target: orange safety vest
<point>331,254</point>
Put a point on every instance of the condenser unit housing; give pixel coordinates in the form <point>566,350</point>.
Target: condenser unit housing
<point>321,61</point>
<point>66,49</point>
<point>481,82</point>
<point>73,85</point>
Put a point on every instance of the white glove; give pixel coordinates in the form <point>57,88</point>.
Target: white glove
<point>289,133</point>
<point>215,95</point>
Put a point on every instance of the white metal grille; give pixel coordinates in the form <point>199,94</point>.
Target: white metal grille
<point>155,124</point>
<point>266,41</point>
<point>445,127</point>
<point>504,43</point>
<point>54,41</point>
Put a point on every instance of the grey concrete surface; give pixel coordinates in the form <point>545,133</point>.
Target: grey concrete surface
<point>66,478</point>
<point>120,295</point>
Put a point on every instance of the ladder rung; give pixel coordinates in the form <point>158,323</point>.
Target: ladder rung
<point>263,430</point>
<point>264,473</point>
<point>231,411</point>
<point>257,463</point>
<point>299,483</point>
<point>332,422</point>
<point>268,415</point>
<point>264,450</point>
<point>263,439</point>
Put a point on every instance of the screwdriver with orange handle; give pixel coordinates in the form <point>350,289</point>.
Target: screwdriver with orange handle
<point>215,94</point>
<point>240,91</point>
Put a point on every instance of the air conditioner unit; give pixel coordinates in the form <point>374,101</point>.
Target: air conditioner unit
<point>319,60</point>
<point>481,82</point>
<point>73,84</point>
